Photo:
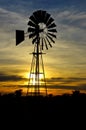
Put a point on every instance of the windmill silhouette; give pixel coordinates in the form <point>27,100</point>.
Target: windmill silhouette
<point>42,31</point>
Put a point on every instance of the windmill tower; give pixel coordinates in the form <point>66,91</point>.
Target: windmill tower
<point>42,31</point>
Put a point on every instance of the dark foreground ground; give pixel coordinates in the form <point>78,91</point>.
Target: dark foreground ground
<point>59,111</point>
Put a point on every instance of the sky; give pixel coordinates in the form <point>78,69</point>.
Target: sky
<point>64,63</point>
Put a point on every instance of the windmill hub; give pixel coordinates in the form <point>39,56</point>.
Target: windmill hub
<point>42,31</point>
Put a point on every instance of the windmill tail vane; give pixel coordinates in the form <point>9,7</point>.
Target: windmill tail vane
<point>42,31</point>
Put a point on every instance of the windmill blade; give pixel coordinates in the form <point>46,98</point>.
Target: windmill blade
<point>48,42</point>
<point>52,35</point>
<point>33,19</point>
<point>34,40</point>
<point>30,23</point>
<point>49,21</point>
<point>43,14</point>
<point>42,44</point>
<point>38,22</point>
<point>32,35</point>
<point>51,25</point>
<point>47,16</point>
<point>37,15</point>
<point>31,29</point>
<point>50,38</point>
<point>45,44</point>
<point>52,30</point>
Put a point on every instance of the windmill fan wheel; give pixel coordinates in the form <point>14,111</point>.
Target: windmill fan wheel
<point>42,28</point>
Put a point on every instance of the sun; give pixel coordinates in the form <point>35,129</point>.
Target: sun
<point>33,79</point>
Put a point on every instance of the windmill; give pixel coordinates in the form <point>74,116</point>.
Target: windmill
<point>42,31</point>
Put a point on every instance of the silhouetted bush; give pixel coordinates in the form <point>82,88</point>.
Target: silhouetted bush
<point>18,93</point>
<point>17,108</point>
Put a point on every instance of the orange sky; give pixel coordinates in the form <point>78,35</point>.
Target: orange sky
<point>64,63</point>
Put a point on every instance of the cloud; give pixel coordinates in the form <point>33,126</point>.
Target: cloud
<point>9,22</point>
<point>7,78</point>
<point>68,53</point>
<point>10,19</point>
<point>45,3</point>
<point>52,83</point>
<point>66,83</point>
<point>17,5</point>
<point>71,81</point>
<point>71,24</point>
<point>11,61</point>
<point>61,87</point>
<point>72,18</point>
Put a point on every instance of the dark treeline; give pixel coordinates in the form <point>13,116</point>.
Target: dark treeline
<point>26,110</point>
